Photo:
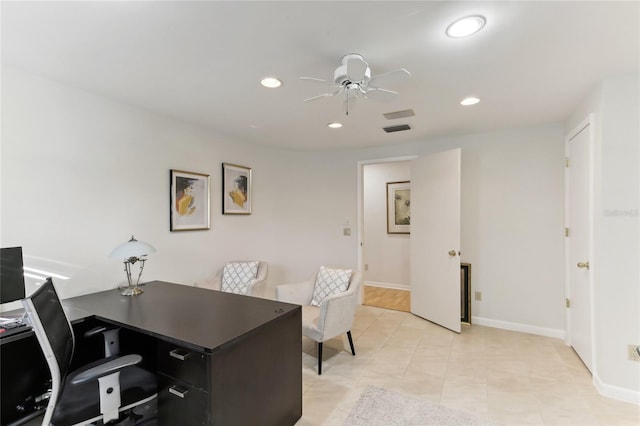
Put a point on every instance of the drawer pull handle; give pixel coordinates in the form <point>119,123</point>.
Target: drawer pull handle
<point>180,354</point>
<point>178,391</point>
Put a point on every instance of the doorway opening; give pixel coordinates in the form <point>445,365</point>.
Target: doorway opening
<point>409,231</point>
<point>387,268</point>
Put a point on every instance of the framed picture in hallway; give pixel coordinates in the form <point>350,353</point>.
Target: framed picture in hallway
<point>236,189</point>
<point>190,203</point>
<point>398,207</point>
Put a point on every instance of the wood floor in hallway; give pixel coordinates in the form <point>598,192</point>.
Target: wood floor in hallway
<point>388,298</point>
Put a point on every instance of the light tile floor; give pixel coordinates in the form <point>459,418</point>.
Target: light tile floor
<point>509,377</point>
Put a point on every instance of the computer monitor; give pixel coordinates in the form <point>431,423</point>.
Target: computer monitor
<point>11,275</point>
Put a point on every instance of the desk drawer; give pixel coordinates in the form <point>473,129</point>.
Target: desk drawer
<point>181,404</point>
<point>184,364</point>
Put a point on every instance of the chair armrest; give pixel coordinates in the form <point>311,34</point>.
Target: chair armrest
<point>106,368</point>
<point>256,287</point>
<point>97,330</point>
<point>336,314</point>
<point>110,337</point>
<point>298,293</point>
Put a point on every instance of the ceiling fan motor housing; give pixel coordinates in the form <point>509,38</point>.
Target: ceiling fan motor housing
<point>340,75</point>
<point>341,78</point>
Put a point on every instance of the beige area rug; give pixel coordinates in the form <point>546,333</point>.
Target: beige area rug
<point>382,407</point>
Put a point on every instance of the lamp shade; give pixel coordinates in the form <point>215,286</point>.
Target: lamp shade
<point>132,248</point>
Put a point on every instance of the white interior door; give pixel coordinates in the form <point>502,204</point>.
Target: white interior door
<point>578,212</point>
<point>435,238</point>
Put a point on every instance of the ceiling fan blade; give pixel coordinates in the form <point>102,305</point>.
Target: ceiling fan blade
<point>389,78</point>
<point>356,69</point>
<point>317,80</point>
<point>380,94</point>
<point>324,95</point>
<point>332,91</point>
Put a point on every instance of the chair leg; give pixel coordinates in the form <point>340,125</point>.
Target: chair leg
<point>319,358</point>
<point>353,351</point>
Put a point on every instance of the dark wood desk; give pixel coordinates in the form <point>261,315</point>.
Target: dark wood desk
<point>222,359</point>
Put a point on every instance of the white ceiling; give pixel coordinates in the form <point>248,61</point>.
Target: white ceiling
<point>202,61</point>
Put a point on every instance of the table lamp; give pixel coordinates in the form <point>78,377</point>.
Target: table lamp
<point>132,251</point>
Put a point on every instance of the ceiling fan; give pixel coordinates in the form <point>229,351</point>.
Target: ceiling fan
<point>353,78</point>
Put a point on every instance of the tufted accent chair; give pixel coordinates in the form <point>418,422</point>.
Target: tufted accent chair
<point>331,318</point>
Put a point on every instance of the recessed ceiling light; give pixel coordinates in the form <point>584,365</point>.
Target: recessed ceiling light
<point>466,26</point>
<point>469,101</point>
<point>334,125</point>
<point>271,82</point>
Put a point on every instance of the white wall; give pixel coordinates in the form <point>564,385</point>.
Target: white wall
<point>511,222</point>
<point>81,173</point>
<point>387,255</point>
<point>512,229</point>
<point>616,106</point>
<point>618,292</point>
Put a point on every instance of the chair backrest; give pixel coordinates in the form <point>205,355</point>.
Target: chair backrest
<point>238,282</point>
<point>54,333</point>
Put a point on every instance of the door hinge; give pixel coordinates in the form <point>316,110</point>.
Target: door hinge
<point>566,161</point>
<point>567,303</point>
<point>566,232</point>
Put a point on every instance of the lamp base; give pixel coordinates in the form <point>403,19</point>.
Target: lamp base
<point>131,291</point>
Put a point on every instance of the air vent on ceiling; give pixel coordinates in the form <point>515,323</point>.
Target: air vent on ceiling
<point>399,114</point>
<point>400,128</point>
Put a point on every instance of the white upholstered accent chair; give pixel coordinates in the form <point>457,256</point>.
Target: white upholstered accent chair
<point>239,277</point>
<point>332,317</point>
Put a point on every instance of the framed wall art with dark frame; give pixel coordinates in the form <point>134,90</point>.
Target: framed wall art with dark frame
<point>189,201</point>
<point>236,189</point>
<point>399,207</point>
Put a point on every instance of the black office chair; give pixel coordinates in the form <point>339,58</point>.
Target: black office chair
<point>98,391</point>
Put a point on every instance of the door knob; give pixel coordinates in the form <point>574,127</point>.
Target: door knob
<point>583,265</point>
<point>452,252</point>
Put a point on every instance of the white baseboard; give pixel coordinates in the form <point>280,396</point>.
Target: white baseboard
<point>615,392</point>
<point>523,328</point>
<point>388,285</point>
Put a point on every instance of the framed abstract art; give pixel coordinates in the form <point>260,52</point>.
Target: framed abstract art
<point>236,189</point>
<point>190,201</point>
